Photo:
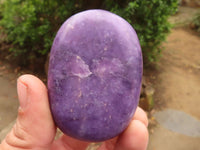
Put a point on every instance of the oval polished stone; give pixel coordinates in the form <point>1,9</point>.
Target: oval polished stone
<point>94,75</point>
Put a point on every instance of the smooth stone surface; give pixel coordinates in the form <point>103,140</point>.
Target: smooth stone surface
<point>94,76</point>
<point>178,121</point>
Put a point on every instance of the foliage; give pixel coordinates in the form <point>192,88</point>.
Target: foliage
<point>150,20</point>
<point>196,22</point>
<point>31,25</point>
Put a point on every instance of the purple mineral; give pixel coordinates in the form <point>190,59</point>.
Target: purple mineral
<point>94,75</point>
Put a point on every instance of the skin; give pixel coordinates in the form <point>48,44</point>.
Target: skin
<point>34,128</point>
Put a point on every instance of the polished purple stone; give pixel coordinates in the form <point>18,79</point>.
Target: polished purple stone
<point>94,76</point>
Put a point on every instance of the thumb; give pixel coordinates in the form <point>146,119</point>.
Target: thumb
<point>34,127</point>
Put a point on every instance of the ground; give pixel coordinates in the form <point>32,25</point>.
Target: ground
<point>177,87</point>
<point>8,98</point>
<point>176,79</point>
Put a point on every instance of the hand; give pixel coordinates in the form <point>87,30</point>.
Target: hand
<point>35,129</point>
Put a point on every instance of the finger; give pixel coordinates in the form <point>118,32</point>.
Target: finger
<point>141,116</point>
<point>34,126</point>
<point>135,137</point>
<point>109,144</point>
<point>67,143</point>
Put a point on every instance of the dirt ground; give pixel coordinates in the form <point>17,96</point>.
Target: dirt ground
<point>177,86</point>
<point>179,72</point>
<point>184,16</point>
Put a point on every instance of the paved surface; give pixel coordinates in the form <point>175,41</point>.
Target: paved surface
<point>179,121</point>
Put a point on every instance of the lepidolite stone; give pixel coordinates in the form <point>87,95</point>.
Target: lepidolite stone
<point>94,76</point>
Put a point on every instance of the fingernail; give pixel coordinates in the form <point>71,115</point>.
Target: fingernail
<point>22,93</point>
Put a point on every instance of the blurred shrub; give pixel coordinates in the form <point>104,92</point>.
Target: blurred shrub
<point>150,20</point>
<point>31,25</point>
<point>196,22</point>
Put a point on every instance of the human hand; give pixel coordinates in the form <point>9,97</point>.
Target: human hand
<point>35,129</point>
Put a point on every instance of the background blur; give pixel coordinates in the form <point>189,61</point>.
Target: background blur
<point>169,34</point>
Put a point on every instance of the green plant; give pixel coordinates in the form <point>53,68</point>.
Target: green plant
<point>150,20</point>
<point>31,25</point>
